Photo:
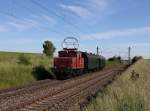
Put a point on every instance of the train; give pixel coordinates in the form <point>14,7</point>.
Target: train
<point>71,62</point>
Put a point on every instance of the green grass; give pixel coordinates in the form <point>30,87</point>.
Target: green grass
<point>18,69</point>
<point>111,64</point>
<point>13,73</point>
<point>126,94</point>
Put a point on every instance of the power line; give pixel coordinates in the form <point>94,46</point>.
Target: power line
<point>88,27</point>
<point>8,14</point>
<point>12,7</point>
<point>41,27</point>
<point>56,14</point>
<point>62,18</point>
<point>12,15</point>
<point>23,6</point>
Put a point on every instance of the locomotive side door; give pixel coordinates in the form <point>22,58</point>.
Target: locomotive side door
<point>79,61</point>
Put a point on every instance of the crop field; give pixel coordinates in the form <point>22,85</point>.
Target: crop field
<point>127,93</point>
<point>21,68</point>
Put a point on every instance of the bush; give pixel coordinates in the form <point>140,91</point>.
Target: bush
<point>23,59</point>
<point>114,58</point>
<point>41,73</point>
<point>136,58</point>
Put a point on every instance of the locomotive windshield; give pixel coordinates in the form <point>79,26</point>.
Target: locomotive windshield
<point>67,54</point>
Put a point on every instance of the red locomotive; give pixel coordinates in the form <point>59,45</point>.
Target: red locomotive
<point>69,58</point>
<point>71,62</point>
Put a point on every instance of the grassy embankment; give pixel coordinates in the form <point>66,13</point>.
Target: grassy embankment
<point>126,94</point>
<point>21,68</point>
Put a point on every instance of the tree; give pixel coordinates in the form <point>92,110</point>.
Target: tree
<point>48,48</point>
<point>115,58</point>
<point>119,58</point>
<point>112,58</point>
<point>136,58</point>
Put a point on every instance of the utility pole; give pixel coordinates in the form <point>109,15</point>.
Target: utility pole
<point>97,49</point>
<point>129,55</point>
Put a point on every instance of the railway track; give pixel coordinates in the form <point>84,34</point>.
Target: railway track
<point>56,95</point>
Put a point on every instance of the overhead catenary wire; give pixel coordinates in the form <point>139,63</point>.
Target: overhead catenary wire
<point>8,14</point>
<point>24,6</point>
<point>88,27</point>
<point>61,17</point>
<point>13,16</point>
<point>12,7</point>
<point>57,15</point>
<point>41,27</point>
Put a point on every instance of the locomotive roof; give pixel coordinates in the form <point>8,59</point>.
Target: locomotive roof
<point>70,51</point>
<point>84,53</point>
<point>92,55</point>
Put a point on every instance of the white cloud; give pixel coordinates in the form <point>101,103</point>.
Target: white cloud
<point>118,33</point>
<point>96,4</point>
<point>3,28</point>
<point>34,21</point>
<point>78,10</point>
<point>49,19</point>
<point>142,44</point>
<point>29,39</point>
<point>44,18</point>
<point>88,8</point>
<point>23,24</point>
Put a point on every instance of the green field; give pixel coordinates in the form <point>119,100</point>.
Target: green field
<point>126,93</point>
<point>111,64</point>
<point>18,69</point>
<point>22,68</point>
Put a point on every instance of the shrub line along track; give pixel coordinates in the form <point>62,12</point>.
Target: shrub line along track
<point>56,95</point>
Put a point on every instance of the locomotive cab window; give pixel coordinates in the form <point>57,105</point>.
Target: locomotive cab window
<point>72,54</point>
<point>67,54</point>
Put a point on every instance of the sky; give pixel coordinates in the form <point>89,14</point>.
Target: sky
<point>113,25</point>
